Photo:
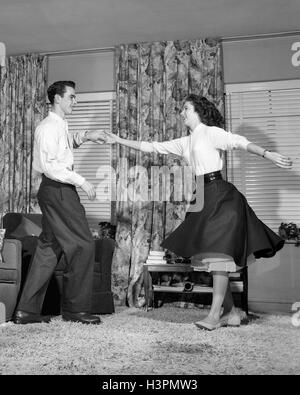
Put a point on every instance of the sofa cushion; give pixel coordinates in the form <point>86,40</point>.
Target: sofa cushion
<point>26,228</point>
<point>14,222</point>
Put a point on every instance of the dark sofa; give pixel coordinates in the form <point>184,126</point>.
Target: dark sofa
<point>26,228</point>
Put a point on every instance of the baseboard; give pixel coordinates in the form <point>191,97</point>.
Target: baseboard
<point>270,307</point>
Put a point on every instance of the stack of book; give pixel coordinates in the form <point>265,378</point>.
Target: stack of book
<point>156,257</point>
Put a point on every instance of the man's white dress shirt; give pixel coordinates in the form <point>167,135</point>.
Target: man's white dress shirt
<point>53,150</point>
<point>201,149</point>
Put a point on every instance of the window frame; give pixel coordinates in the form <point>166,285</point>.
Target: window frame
<point>85,160</point>
<point>241,184</point>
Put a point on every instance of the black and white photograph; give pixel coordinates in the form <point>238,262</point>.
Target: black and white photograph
<point>149,191</point>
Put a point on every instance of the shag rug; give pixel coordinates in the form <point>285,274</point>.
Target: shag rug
<point>162,341</point>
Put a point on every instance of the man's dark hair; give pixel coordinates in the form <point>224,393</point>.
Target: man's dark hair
<point>58,88</point>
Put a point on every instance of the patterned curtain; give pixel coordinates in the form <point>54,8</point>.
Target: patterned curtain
<point>152,81</point>
<point>22,106</point>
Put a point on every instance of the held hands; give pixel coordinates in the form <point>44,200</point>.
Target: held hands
<point>89,189</point>
<point>101,137</point>
<point>97,136</point>
<point>110,138</point>
<point>279,160</point>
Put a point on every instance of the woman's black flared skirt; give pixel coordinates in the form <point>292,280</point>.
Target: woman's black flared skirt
<point>225,225</point>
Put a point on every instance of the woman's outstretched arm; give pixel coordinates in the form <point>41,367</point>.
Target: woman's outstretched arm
<point>165,147</point>
<point>113,138</point>
<point>275,157</point>
<point>228,141</point>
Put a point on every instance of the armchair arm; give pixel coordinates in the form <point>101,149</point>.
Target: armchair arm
<point>10,274</point>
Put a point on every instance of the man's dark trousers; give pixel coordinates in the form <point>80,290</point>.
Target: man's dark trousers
<point>64,230</point>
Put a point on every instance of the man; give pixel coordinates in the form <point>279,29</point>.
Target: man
<point>64,225</point>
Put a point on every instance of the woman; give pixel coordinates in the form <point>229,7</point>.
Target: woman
<point>225,234</point>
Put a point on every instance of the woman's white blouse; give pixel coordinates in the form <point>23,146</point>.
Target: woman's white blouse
<point>201,149</point>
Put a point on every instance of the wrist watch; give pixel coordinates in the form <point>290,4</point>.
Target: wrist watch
<point>264,153</point>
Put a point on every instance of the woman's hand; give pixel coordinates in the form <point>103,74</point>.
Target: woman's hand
<point>110,138</point>
<point>279,160</point>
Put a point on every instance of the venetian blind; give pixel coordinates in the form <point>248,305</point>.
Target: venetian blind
<point>93,161</point>
<point>268,114</point>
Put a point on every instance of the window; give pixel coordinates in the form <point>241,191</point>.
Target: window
<point>268,114</point>
<point>93,161</point>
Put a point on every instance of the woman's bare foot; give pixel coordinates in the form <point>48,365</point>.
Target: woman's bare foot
<point>209,323</point>
<point>230,318</point>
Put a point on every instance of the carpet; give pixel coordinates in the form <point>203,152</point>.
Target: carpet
<point>162,341</point>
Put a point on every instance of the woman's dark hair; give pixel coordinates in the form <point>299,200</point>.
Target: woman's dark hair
<point>207,111</point>
<point>58,88</point>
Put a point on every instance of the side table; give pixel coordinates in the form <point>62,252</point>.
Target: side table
<point>162,268</point>
<point>238,282</point>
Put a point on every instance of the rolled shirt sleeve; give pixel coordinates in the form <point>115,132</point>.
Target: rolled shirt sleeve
<point>167,147</point>
<point>226,140</point>
<point>78,138</point>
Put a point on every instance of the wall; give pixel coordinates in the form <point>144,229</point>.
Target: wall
<point>92,72</point>
<point>268,59</point>
<point>274,283</point>
<point>251,60</point>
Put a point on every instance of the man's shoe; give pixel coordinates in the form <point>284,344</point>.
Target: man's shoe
<point>84,318</point>
<point>22,317</point>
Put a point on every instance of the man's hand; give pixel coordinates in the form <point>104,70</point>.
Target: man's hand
<point>89,189</point>
<point>97,136</point>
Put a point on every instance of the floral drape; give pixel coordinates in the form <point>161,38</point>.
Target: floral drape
<point>152,81</point>
<point>22,106</point>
